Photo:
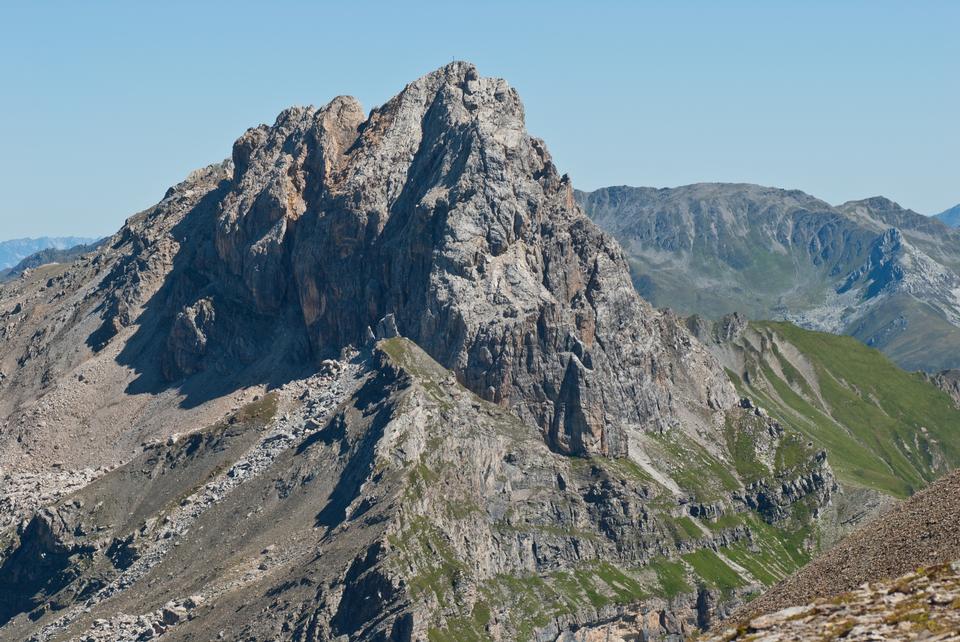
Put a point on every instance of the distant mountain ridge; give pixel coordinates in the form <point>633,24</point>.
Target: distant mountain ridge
<point>15,250</point>
<point>47,256</point>
<point>870,268</point>
<point>950,217</point>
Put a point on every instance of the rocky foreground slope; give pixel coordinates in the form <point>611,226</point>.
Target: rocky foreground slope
<point>377,377</point>
<point>920,531</point>
<point>921,605</point>
<point>869,585</point>
<point>872,269</point>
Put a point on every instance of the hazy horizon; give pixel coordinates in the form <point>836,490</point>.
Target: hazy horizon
<point>108,104</point>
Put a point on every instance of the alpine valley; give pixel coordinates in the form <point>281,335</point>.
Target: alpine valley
<point>378,376</point>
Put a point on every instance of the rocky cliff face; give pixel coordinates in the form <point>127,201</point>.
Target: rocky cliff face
<point>948,381</point>
<point>870,268</point>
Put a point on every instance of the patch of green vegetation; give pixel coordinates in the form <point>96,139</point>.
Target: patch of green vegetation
<point>464,629</point>
<point>793,376</point>
<point>419,478</point>
<point>852,460</point>
<point>533,601</point>
<point>671,577</point>
<point>725,521</point>
<point>262,410</point>
<point>691,529</point>
<point>419,365</point>
<point>713,570</point>
<point>791,453</point>
<point>629,469</point>
<point>746,558</point>
<point>585,580</point>
<point>693,468</point>
<point>421,547</point>
<point>626,588</point>
<point>740,432</point>
<point>397,349</point>
<point>773,553</point>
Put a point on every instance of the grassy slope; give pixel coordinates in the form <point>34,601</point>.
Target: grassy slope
<point>882,427</point>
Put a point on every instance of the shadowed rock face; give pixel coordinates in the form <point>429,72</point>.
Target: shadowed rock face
<point>438,209</point>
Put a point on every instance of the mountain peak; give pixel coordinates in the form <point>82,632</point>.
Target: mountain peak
<point>874,202</point>
<point>439,211</point>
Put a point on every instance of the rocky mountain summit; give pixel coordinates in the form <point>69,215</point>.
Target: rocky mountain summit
<point>439,216</point>
<point>869,268</point>
<point>377,377</point>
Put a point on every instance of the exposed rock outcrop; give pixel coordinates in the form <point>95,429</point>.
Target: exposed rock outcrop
<point>948,381</point>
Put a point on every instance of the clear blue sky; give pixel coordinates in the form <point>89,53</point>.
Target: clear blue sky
<point>104,105</point>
